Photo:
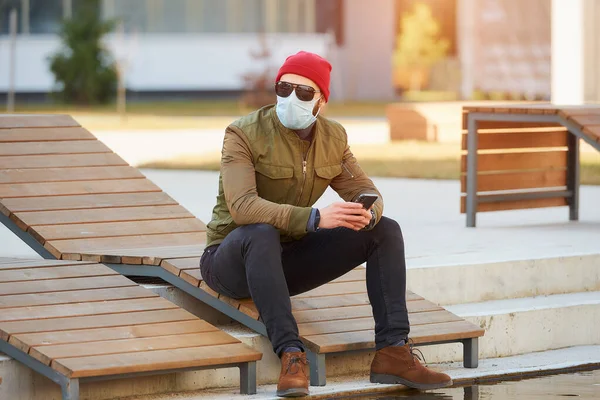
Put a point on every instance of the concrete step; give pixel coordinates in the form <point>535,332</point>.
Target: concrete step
<point>513,327</point>
<point>470,283</point>
<point>533,364</point>
<point>519,326</point>
<point>462,283</point>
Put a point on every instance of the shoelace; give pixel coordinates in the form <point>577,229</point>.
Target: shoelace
<point>295,361</point>
<point>416,353</point>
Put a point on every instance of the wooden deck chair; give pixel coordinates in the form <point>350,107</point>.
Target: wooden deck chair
<point>524,156</point>
<point>73,321</point>
<point>70,198</point>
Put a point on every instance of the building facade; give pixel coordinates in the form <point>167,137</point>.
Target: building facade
<point>208,46</point>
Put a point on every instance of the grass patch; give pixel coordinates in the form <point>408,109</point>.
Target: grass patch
<point>397,160</point>
<point>590,168</point>
<point>200,108</point>
<point>171,115</point>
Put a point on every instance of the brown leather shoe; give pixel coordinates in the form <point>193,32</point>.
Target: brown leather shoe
<point>293,380</point>
<point>398,364</point>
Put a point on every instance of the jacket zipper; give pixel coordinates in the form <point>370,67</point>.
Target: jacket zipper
<point>303,178</point>
<point>346,168</point>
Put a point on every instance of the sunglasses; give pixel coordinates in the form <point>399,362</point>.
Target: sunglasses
<point>303,92</point>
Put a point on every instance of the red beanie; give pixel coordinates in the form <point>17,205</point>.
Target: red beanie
<point>308,65</point>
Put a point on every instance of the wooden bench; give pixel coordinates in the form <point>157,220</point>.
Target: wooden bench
<point>69,197</point>
<point>73,321</point>
<point>527,156</point>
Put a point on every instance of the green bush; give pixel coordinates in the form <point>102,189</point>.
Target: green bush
<point>84,70</point>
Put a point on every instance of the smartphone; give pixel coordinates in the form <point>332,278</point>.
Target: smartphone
<point>366,200</point>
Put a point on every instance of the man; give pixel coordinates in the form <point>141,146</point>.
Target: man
<point>266,241</point>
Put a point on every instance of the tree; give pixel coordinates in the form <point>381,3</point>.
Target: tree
<point>259,85</point>
<point>418,45</point>
<point>83,69</point>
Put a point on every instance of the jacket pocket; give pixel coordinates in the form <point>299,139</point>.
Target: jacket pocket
<point>323,177</point>
<point>275,183</point>
<point>274,171</point>
<point>328,172</point>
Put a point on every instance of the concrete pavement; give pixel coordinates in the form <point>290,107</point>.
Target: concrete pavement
<point>428,212</point>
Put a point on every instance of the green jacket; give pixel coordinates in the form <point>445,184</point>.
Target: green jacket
<point>269,175</point>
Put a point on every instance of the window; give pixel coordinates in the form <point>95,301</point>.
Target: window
<point>45,16</point>
<point>39,16</point>
<point>5,7</point>
<point>212,16</point>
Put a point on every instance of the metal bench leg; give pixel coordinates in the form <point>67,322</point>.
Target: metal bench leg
<point>70,389</point>
<point>471,209</point>
<point>573,176</point>
<point>471,392</point>
<point>317,368</point>
<point>471,353</point>
<point>248,378</point>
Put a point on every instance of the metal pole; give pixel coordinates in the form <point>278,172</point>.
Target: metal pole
<point>471,170</point>
<point>67,9</point>
<point>573,176</point>
<point>25,16</point>
<point>10,102</point>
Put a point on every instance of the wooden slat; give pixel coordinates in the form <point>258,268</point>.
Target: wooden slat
<point>77,188</point>
<point>115,229</point>
<point>81,309</point>
<point>350,312</point>
<point>4,210</point>
<point>192,276</point>
<point>26,340</point>
<point>78,296</point>
<point>175,265</point>
<point>94,321</point>
<point>61,160</point>
<point>573,111</point>
<point>67,174</point>
<point>21,264</point>
<point>516,204</point>
<point>98,245</point>
<point>151,255</point>
<point>57,285</point>
<point>518,161</point>
<point>103,215</point>
<point>182,263</point>
<point>342,300</point>
<point>517,180</point>
<point>35,121</point>
<point>330,343</point>
<point>66,147</point>
<point>36,274</point>
<point>331,289</point>
<point>329,301</point>
<point>90,201</point>
<point>495,126</point>
<point>584,120</point>
<point>490,141</point>
<point>44,134</point>
<point>521,108</point>
<point>155,360</point>
<point>45,354</point>
<point>333,314</point>
<point>367,323</point>
<point>593,132</point>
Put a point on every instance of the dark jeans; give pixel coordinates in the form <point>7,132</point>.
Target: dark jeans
<point>252,262</point>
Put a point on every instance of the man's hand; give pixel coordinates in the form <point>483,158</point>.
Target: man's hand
<point>344,214</point>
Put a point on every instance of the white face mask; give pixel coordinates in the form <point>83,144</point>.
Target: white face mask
<point>296,114</point>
